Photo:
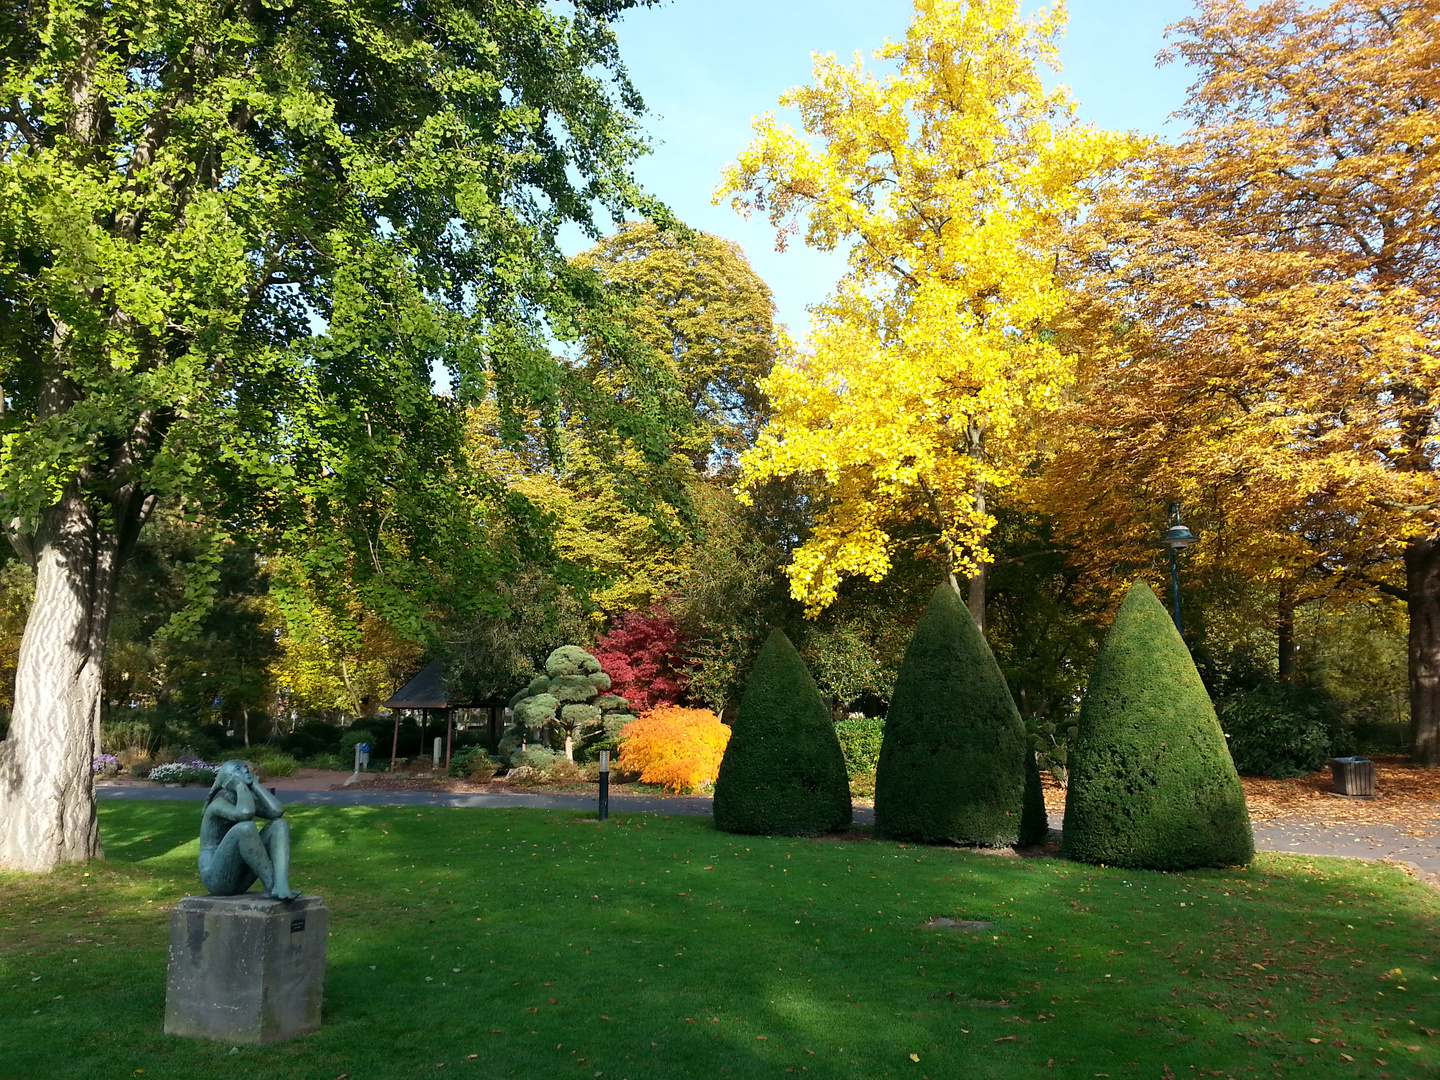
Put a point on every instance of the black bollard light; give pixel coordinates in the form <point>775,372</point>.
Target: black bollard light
<point>604,784</point>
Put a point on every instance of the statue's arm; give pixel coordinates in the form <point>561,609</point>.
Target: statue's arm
<point>242,809</point>
<point>266,804</point>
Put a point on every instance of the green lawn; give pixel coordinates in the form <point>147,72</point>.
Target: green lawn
<point>535,944</point>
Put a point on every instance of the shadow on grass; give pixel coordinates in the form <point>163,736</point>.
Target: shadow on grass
<point>154,828</point>
<point>548,945</point>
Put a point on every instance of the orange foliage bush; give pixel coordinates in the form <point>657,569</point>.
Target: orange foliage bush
<point>680,748</point>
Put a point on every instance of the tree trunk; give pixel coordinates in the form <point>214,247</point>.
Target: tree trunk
<point>975,598</point>
<point>47,788</point>
<point>975,601</point>
<point>1422,581</point>
<point>1285,633</point>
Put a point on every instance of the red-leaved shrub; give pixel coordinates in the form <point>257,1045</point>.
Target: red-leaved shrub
<point>644,655</point>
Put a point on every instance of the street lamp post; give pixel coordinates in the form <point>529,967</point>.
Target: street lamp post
<point>1177,536</point>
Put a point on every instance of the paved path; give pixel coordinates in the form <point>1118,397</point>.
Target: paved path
<point>670,804</point>
<point>1356,842</point>
<point>1296,837</point>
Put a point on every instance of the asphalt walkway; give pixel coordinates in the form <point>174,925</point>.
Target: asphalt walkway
<point>1297,837</point>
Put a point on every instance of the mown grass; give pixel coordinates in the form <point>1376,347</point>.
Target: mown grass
<point>500,943</point>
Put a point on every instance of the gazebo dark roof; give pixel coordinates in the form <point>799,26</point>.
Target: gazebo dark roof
<point>425,691</point>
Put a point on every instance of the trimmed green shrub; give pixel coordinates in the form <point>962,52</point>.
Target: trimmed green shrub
<point>272,762</point>
<point>783,773</point>
<point>536,757</point>
<point>952,767</point>
<point>353,737</point>
<point>310,738</point>
<point>473,764</point>
<point>1034,822</point>
<point>1281,727</point>
<point>1151,784</point>
<point>333,762</point>
<point>860,738</point>
<point>569,703</point>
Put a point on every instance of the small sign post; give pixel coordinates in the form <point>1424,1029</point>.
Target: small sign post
<point>435,757</point>
<point>604,784</point>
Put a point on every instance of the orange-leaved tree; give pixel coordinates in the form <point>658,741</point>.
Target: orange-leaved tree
<point>1260,336</point>
<point>674,746</point>
<point>948,179</point>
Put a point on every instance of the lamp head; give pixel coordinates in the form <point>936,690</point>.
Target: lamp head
<point>1177,536</point>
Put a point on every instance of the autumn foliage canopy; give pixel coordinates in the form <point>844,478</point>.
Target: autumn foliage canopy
<point>947,173</point>
<point>677,747</point>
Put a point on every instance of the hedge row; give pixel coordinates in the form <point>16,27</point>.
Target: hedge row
<point>1151,782</point>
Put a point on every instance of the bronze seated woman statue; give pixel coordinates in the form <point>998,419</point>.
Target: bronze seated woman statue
<point>233,852</point>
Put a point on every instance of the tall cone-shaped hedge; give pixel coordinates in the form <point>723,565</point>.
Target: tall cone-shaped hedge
<point>952,766</point>
<point>783,773</point>
<point>1152,785</point>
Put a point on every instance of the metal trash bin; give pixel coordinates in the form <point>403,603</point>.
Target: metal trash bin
<point>1352,776</point>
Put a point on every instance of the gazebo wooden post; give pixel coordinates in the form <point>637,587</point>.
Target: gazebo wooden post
<point>449,734</point>
<point>395,742</point>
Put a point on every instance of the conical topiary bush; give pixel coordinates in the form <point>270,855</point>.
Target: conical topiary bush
<point>1152,785</point>
<point>952,766</point>
<point>783,773</point>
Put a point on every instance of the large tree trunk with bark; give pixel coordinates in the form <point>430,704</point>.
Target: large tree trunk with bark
<point>47,787</point>
<point>1422,581</point>
<point>47,798</point>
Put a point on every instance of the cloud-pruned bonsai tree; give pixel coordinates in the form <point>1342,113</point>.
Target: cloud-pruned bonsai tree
<point>570,701</point>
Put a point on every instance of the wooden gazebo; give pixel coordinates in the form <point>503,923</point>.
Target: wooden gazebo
<point>427,694</point>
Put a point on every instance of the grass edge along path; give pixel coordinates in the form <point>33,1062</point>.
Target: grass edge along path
<point>499,943</point>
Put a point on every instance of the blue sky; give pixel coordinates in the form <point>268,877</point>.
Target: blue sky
<point>705,67</point>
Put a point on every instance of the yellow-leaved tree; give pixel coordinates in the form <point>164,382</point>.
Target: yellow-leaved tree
<point>950,177</point>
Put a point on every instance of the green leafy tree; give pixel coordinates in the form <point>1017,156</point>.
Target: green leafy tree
<point>783,771</point>
<point>234,242</point>
<point>695,300</point>
<point>1151,784</point>
<point>952,766</point>
<point>191,627</point>
<point>489,652</point>
<point>335,660</point>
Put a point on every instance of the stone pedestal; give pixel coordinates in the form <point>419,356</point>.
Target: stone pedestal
<point>246,969</point>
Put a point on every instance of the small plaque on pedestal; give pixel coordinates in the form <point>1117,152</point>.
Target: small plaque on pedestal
<point>246,969</point>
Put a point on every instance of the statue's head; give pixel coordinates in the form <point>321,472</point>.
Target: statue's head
<point>231,776</point>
